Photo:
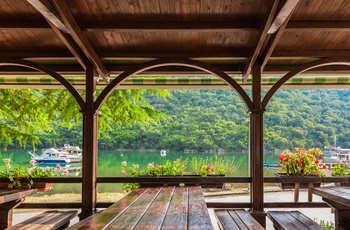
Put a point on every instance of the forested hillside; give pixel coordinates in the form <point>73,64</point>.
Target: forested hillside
<point>209,120</point>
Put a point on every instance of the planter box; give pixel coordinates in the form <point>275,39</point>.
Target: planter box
<point>41,187</point>
<point>292,185</point>
<point>341,184</point>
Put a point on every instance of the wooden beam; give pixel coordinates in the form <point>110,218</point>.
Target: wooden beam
<point>238,54</point>
<point>260,41</point>
<point>80,38</point>
<point>71,69</point>
<point>283,15</point>
<point>47,11</point>
<point>52,19</point>
<point>272,43</point>
<point>198,26</point>
<point>71,45</point>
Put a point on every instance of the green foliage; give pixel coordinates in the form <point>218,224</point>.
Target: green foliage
<point>199,120</point>
<point>214,165</point>
<point>340,170</point>
<point>327,225</point>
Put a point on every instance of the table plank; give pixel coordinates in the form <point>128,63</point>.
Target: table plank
<point>155,215</point>
<point>198,215</point>
<point>131,216</point>
<point>7,195</point>
<point>100,220</point>
<point>178,210</point>
<point>338,194</point>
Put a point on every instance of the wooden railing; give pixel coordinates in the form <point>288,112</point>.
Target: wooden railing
<point>191,180</point>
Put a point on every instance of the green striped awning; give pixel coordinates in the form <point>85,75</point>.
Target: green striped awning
<point>175,82</point>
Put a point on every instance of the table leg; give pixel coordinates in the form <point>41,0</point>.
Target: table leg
<point>296,191</point>
<point>309,192</point>
<point>6,213</point>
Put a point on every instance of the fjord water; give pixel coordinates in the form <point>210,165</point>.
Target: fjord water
<point>109,164</point>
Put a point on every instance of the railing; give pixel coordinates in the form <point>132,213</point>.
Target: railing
<point>191,180</point>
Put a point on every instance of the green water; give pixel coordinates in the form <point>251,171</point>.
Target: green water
<point>109,164</point>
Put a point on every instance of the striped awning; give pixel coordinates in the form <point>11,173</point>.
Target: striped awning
<point>175,82</point>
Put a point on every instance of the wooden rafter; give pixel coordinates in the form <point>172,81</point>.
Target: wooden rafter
<point>260,41</point>
<point>59,8</point>
<point>272,43</point>
<point>46,9</point>
<point>80,38</point>
<point>283,15</point>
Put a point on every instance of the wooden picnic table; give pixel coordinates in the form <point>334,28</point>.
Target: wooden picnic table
<point>9,199</point>
<point>154,208</point>
<point>339,199</point>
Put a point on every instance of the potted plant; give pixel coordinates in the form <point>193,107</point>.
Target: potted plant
<point>175,168</point>
<point>340,170</point>
<point>21,177</point>
<point>301,162</point>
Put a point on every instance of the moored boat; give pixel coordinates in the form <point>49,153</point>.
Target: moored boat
<point>49,156</point>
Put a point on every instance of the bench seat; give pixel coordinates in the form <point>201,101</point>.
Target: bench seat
<point>289,220</point>
<point>236,219</point>
<point>53,219</point>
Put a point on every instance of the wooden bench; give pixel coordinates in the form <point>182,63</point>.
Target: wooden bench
<point>47,220</point>
<point>236,219</point>
<point>289,220</point>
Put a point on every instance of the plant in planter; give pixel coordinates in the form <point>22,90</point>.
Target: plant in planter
<point>23,178</point>
<point>216,165</point>
<point>340,170</point>
<point>301,162</point>
<point>175,168</point>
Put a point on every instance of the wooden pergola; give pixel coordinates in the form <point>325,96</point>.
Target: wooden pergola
<point>240,42</point>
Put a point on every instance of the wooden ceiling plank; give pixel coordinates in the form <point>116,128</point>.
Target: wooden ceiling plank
<point>48,12</point>
<point>80,38</point>
<point>260,40</point>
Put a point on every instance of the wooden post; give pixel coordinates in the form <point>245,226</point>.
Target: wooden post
<point>257,150</point>
<point>90,122</point>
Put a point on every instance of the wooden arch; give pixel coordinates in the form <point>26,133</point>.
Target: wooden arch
<point>301,69</point>
<point>42,68</point>
<point>176,62</point>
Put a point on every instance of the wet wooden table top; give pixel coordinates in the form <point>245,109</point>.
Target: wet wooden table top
<point>154,208</point>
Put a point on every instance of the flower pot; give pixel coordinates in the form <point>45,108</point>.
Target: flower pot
<point>292,185</point>
<point>42,187</point>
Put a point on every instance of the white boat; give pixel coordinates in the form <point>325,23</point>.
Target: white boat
<point>337,155</point>
<point>73,153</point>
<point>49,156</point>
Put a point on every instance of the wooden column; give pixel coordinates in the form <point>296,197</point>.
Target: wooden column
<point>90,148</point>
<point>257,150</point>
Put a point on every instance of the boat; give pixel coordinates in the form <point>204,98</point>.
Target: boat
<point>270,164</point>
<point>49,156</point>
<point>73,153</point>
<point>335,155</point>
